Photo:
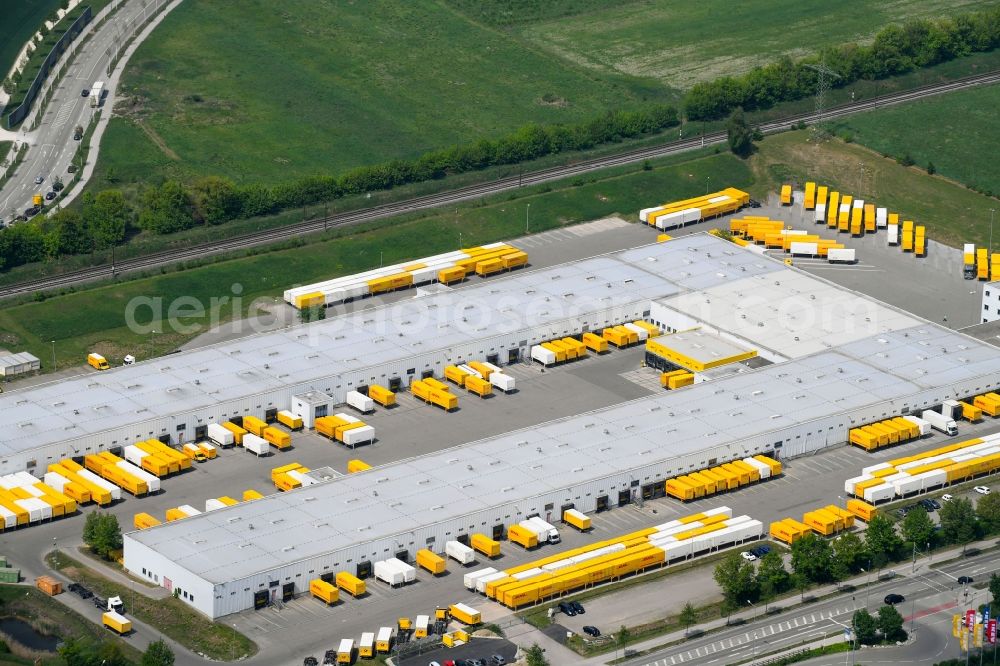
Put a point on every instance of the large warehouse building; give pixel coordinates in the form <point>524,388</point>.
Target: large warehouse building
<point>838,360</point>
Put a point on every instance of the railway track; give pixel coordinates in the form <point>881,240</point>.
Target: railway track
<point>472,192</point>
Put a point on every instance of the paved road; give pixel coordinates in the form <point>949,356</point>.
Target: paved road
<point>931,594</point>
<point>472,192</point>
<point>51,144</point>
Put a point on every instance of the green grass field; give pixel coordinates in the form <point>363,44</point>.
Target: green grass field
<point>256,94</point>
<point>20,19</point>
<point>681,43</point>
<point>951,131</point>
<point>94,320</point>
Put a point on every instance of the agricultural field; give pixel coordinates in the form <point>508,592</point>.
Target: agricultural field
<point>323,87</point>
<point>94,319</point>
<point>21,18</point>
<point>952,132</point>
<point>952,214</point>
<point>681,43</point>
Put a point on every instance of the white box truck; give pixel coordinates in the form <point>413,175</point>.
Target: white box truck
<point>387,573</point>
<point>940,422</point>
<point>459,552</point>
<point>360,402</point>
<point>551,533</point>
<point>892,234</point>
<point>96,93</point>
<point>540,532</point>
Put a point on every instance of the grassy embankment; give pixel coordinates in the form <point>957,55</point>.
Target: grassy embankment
<point>171,616</point>
<point>94,320</point>
<point>954,132</point>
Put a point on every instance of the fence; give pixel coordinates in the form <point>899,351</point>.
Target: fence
<point>17,115</point>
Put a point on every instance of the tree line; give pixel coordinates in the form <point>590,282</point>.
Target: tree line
<point>896,49</point>
<point>108,217</point>
<point>815,560</point>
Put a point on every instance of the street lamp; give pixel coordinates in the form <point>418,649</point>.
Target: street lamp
<point>53,355</point>
<point>527,210</point>
<point>992,213</point>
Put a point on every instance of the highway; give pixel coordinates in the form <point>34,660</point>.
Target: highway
<point>466,193</point>
<point>932,595</point>
<point>51,144</point>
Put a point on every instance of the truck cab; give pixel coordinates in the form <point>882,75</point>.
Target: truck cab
<point>115,604</point>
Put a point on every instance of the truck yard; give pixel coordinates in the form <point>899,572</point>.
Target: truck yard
<point>856,361</point>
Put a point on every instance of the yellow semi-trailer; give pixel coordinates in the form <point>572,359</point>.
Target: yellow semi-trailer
<point>431,561</point>
<point>354,466</point>
<point>522,536</point>
<point>577,519</point>
<point>485,545</point>
<point>479,386</point>
<point>324,591</point>
<point>169,453</point>
<point>809,201</point>
<point>143,520</point>
<point>350,583</point>
<point>435,383</point>
<point>455,374</point>
<point>290,420</point>
<point>237,432</point>
<point>786,195</point>
<point>254,425</point>
<point>327,425</point>
<point>465,614</point>
<point>116,622</point>
<point>595,343</point>
<point>832,210</point>
<point>382,395</point>
<point>173,465</point>
<point>451,275</point>
<point>277,438</point>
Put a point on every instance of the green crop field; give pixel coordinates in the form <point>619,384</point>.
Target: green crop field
<point>260,92</point>
<point>94,320</point>
<point>952,131</point>
<point>681,43</point>
<point>20,19</point>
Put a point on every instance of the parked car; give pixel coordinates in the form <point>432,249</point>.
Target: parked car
<point>497,660</point>
<point>85,92</point>
<point>965,580</point>
<point>39,179</point>
<point>49,196</point>
<point>310,661</point>
<point>754,203</point>
<point>567,608</point>
<point>761,550</point>
<point>748,556</point>
<point>982,490</point>
<point>591,631</point>
<point>578,607</point>
<point>947,497</point>
<point>57,186</point>
<point>71,168</point>
<point>893,599</point>
<point>31,212</point>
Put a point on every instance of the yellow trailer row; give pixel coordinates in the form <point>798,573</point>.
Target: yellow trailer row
<point>275,437</point>
<point>828,520</point>
<point>446,268</point>
<point>679,213</point>
<point>788,530</point>
<point>728,476</point>
<point>988,403</point>
<point>884,433</point>
<point>78,486</point>
<point>515,593</point>
<point>337,426</point>
<point>434,396</point>
<point>106,465</point>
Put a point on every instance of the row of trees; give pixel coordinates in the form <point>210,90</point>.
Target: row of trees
<point>108,217</point>
<point>896,49</point>
<point>815,560</point>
